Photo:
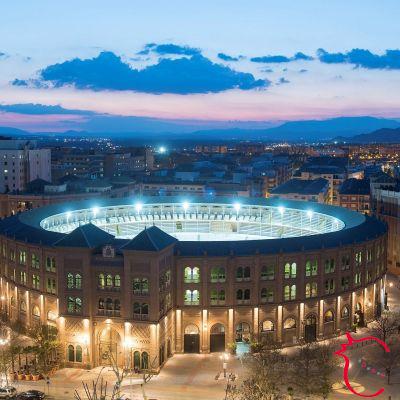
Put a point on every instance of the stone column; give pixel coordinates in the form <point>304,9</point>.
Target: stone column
<point>178,331</point>
<point>279,325</point>
<point>204,330</point>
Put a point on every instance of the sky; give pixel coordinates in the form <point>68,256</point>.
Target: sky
<point>88,64</point>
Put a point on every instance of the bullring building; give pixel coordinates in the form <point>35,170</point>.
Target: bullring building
<point>143,279</point>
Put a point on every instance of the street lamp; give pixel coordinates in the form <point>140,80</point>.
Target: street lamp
<point>224,357</point>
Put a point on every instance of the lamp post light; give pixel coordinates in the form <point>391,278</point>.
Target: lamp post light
<point>224,357</point>
<point>3,343</point>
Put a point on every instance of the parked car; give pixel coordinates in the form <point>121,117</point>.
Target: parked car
<point>31,395</point>
<point>8,392</point>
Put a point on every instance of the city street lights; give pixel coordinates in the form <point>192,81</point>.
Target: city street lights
<point>224,357</point>
<point>3,343</point>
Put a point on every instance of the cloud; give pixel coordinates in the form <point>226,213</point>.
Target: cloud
<point>107,71</point>
<point>169,48</point>
<point>282,81</point>
<point>3,55</point>
<point>362,58</point>
<point>41,109</point>
<point>226,57</point>
<point>302,71</point>
<point>281,59</point>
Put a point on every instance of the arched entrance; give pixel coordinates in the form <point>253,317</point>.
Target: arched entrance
<point>191,339</point>
<point>217,338</point>
<point>310,328</point>
<point>110,347</point>
<point>359,316</point>
<point>242,337</point>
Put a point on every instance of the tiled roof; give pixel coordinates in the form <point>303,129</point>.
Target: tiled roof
<point>88,236</point>
<point>150,239</point>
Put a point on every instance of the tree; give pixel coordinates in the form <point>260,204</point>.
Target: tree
<point>386,325</point>
<point>266,372</point>
<point>46,345</point>
<point>312,369</point>
<point>389,362</point>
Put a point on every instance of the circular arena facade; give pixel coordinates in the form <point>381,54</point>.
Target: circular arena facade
<point>143,279</point>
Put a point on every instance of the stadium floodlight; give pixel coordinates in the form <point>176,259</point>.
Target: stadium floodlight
<point>281,210</point>
<point>69,214</point>
<point>95,211</point>
<point>237,207</point>
<point>162,149</point>
<point>138,207</point>
<point>309,213</point>
<point>185,205</point>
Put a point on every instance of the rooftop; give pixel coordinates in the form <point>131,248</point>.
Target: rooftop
<point>355,186</point>
<point>305,187</point>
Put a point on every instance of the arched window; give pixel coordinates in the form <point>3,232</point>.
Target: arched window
<point>239,273</point>
<point>308,268</point>
<point>246,273</point>
<point>78,354</point>
<point>328,316</point>
<point>145,309</point>
<point>22,306</point>
<point>192,275</point>
<point>293,270</point>
<point>78,305</point>
<point>102,281</point>
<point>218,274</point>
<point>289,323</point>
<point>101,304</point>
<point>290,270</point>
<point>311,289</point>
<point>247,294</point>
<point>109,280</point>
<point>267,326</point>
<point>145,360</point>
<point>36,311</point>
<point>145,286</point>
<point>308,290</point>
<point>71,353</point>
<point>192,297</point>
<point>239,294</point>
<point>214,274</point>
<point>78,281</point>
<point>267,295</point>
<point>314,289</point>
<point>293,292</point>
<point>137,309</point>
<point>117,281</point>
<point>117,305</point>
<point>136,360</point>
<point>70,280</point>
<point>268,272</point>
<point>214,296</point>
<point>221,295</point>
<point>109,304</point>
<point>345,312</point>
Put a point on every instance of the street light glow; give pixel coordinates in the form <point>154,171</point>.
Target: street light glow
<point>162,149</point>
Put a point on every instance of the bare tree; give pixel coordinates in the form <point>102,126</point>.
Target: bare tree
<point>266,372</point>
<point>388,361</point>
<point>312,368</point>
<point>386,325</point>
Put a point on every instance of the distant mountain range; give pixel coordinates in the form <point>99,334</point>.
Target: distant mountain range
<point>354,129</point>
<point>384,135</point>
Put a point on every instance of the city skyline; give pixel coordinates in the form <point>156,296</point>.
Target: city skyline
<point>196,63</point>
